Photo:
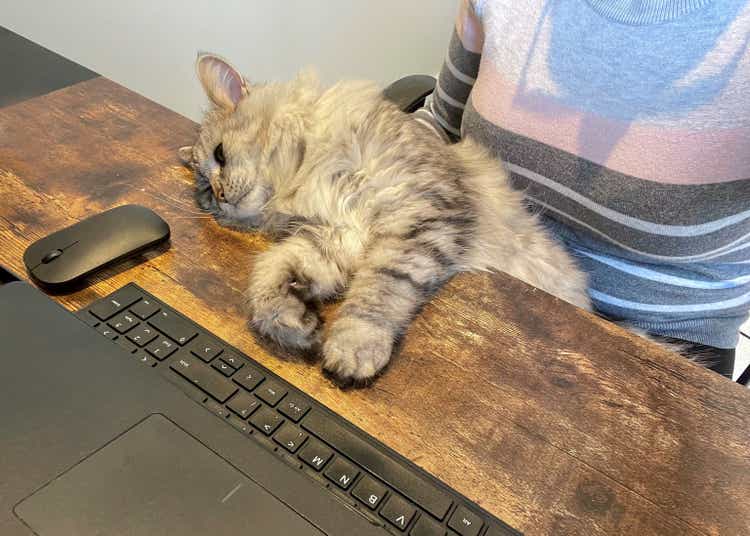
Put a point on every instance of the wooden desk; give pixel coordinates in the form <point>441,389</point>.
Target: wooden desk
<point>554,420</point>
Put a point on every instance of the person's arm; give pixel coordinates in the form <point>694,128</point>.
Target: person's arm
<point>445,107</point>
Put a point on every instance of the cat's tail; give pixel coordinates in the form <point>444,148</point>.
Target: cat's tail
<point>510,239</point>
<point>683,348</point>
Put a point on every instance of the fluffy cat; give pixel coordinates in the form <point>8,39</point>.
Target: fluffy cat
<point>366,204</point>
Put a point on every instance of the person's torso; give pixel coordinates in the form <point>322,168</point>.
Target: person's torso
<point>631,138</point>
<point>636,136</point>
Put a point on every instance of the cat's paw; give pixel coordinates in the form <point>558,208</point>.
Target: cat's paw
<point>286,320</point>
<point>356,351</point>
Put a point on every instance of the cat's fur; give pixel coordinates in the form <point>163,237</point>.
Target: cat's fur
<point>366,203</point>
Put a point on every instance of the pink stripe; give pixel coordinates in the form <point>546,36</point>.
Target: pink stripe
<point>652,152</point>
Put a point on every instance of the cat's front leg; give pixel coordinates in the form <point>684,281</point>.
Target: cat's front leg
<point>387,290</point>
<point>286,282</point>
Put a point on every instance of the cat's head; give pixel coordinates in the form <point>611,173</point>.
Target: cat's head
<point>252,138</point>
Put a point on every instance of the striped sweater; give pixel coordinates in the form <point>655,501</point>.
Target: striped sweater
<point>627,125</point>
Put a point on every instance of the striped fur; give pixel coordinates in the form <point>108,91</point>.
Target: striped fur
<point>367,204</point>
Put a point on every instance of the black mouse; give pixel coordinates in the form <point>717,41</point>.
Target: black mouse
<point>66,257</point>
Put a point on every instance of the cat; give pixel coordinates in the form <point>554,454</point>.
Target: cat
<point>365,203</point>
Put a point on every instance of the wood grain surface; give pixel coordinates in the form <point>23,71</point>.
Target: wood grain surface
<point>552,419</point>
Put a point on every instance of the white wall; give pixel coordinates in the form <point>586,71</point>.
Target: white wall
<point>150,45</point>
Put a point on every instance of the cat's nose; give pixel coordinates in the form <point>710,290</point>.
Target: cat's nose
<point>218,190</point>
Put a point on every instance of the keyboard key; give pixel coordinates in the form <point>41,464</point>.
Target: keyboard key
<point>218,409</point>
<point>341,472</point>
<point>426,527</point>
<point>107,331</point>
<point>145,359</point>
<point>222,367</point>
<point>205,348</point>
<point>294,408</point>
<point>398,512</point>
<point>239,424</point>
<point>233,360</point>
<point>114,303</point>
<point>357,449</point>
<point>249,378</point>
<point>123,322</point>
<point>161,348</point>
<point>315,454</point>
<point>173,326</point>
<point>266,420</point>
<point>142,335</point>
<point>464,522</point>
<point>243,404</point>
<point>271,392</point>
<point>144,308</point>
<point>369,491</point>
<point>126,345</point>
<point>290,437</point>
<point>211,382</point>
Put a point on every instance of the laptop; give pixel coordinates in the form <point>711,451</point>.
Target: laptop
<point>128,418</point>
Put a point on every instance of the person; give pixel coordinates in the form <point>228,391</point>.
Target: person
<point>627,126</point>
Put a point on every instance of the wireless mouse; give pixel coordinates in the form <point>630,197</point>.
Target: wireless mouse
<point>66,257</point>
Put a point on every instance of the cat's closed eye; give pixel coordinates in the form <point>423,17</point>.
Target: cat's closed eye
<point>219,155</point>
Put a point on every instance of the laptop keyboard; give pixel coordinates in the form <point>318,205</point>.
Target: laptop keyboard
<point>375,481</point>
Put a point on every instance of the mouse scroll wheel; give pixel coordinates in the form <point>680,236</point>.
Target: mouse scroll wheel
<point>51,256</point>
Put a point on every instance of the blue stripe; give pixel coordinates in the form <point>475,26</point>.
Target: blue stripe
<point>653,275</point>
<point>706,255</point>
<point>744,299</point>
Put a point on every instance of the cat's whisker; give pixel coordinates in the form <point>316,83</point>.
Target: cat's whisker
<point>204,213</point>
<point>186,202</point>
<point>191,218</point>
<point>162,199</point>
<point>173,204</point>
<point>170,203</point>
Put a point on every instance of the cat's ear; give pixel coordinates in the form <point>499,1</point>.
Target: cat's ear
<point>186,155</point>
<point>222,83</point>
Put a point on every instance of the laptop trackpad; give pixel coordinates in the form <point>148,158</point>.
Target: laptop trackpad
<point>157,479</point>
